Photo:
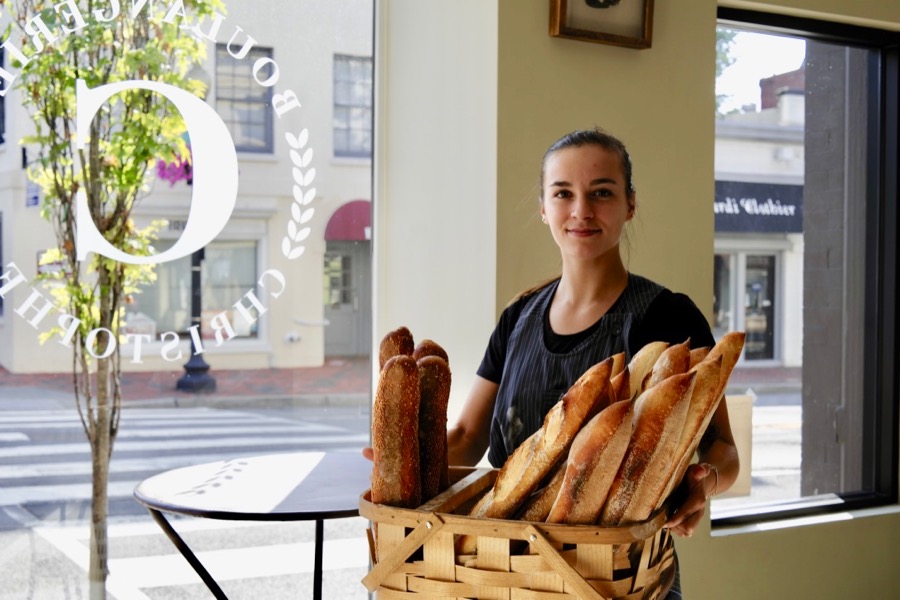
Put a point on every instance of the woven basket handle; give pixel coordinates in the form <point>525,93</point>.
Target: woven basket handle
<point>570,576</point>
<point>429,526</point>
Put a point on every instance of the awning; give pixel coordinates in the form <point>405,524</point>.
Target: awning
<point>352,222</point>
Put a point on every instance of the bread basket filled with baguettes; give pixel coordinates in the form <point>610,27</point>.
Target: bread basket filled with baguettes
<point>576,511</point>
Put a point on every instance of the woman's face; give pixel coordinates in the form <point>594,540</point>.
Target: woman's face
<point>584,201</point>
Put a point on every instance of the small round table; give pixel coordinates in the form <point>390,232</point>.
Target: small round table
<point>301,486</point>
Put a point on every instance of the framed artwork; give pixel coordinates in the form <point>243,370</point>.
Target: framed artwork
<point>626,23</point>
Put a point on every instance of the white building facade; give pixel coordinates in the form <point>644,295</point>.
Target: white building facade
<point>299,109</point>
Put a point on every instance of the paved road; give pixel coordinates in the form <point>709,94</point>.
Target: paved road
<point>45,492</point>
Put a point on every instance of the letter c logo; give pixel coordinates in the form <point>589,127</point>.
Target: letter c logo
<point>215,173</point>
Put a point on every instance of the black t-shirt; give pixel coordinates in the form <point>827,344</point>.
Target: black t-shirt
<point>671,317</point>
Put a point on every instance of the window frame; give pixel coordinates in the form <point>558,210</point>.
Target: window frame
<point>880,388</point>
<point>264,104</point>
<point>350,58</point>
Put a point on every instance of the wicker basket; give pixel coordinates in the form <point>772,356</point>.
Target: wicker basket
<point>414,554</point>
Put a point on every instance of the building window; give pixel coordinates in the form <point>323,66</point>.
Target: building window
<point>805,252</point>
<point>244,105</point>
<point>3,102</point>
<point>228,271</point>
<point>352,106</point>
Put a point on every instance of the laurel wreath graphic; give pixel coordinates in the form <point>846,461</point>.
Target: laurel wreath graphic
<point>301,212</point>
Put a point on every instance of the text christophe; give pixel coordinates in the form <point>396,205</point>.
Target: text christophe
<point>37,307</point>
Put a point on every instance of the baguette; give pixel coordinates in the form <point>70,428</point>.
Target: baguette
<point>533,460</point>
<point>538,505</point>
<point>593,462</point>
<point>429,348</point>
<point>398,342</point>
<point>703,402</point>
<point>673,360</point>
<point>708,393</point>
<point>631,379</point>
<point>396,478</point>
<point>434,394</point>
<point>659,415</point>
<point>698,354</point>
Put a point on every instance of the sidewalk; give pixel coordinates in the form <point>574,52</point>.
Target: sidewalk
<point>338,379</point>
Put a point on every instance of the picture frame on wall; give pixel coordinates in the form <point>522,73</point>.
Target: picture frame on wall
<point>627,23</point>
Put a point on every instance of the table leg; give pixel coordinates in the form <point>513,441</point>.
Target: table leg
<point>317,564</point>
<point>188,554</point>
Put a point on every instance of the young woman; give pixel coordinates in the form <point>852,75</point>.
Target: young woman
<point>549,336</point>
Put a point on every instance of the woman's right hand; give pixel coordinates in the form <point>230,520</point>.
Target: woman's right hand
<point>368,453</point>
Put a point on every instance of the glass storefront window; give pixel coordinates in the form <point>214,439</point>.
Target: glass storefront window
<point>295,376</point>
<point>797,131</point>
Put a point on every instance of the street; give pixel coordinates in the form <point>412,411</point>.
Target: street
<point>45,505</point>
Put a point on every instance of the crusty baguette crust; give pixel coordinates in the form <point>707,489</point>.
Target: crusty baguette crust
<point>698,354</point>
<point>430,348</point>
<point>533,460</point>
<point>705,399</point>
<point>703,402</point>
<point>538,505</point>
<point>641,364</point>
<point>434,394</point>
<point>395,435</point>
<point>673,360</point>
<point>659,416</point>
<point>593,462</point>
<point>398,342</point>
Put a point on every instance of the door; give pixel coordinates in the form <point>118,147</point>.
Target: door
<point>759,306</point>
<point>348,291</point>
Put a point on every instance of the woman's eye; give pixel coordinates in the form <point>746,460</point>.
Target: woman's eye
<point>603,193</point>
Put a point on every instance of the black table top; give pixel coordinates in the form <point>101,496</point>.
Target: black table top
<point>296,486</point>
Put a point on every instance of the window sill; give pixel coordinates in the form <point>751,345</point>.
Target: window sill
<point>806,520</point>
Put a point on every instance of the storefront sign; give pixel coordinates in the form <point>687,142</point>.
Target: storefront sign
<point>758,207</point>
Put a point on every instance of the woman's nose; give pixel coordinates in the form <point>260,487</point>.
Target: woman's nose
<point>581,207</point>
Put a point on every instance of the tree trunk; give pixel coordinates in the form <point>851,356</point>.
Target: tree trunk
<point>101,450</point>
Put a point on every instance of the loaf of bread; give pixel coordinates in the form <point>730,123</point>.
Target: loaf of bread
<point>673,360</point>
<point>659,414</point>
<point>713,372</point>
<point>533,460</point>
<point>593,462</point>
<point>434,394</point>
<point>629,383</point>
<point>398,342</point>
<point>704,398</point>
<point>537,506</point>
<point>429,348</point>
<point>396,477</point>
<point>698,354</point>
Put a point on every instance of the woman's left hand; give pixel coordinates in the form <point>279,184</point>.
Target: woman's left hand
<point>701,482</point>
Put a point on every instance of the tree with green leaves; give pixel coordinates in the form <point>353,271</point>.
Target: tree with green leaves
<point>724,58</point>
<point>52,45</point>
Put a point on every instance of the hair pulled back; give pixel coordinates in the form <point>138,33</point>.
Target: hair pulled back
<point>593,137</point>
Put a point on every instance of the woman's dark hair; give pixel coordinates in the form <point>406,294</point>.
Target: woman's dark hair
<point>593,137</point>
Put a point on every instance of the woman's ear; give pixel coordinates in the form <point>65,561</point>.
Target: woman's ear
<point>632,202</point>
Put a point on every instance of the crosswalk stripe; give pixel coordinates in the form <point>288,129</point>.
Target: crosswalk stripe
<point>183,444</point>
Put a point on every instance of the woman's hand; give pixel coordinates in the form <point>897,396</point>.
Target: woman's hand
<point>368,453</point>
<point>701,482</point>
